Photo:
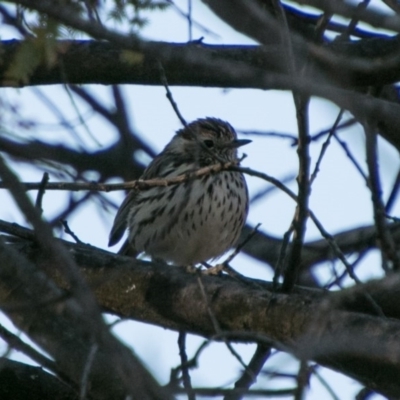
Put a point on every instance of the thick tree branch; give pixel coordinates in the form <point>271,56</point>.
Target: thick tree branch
<point>22,381</point>
<point>265,247</point>
<point>115,160</point>
<point>237,72</point>
<point>84,62</point>
<point>61,327</point>
<point>247,311</point>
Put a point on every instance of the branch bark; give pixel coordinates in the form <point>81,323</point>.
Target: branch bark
<point>89,61</point>
<point>265,248</point>
<point>57,323</point>
<point>338,332</point>
<point>22,381</point>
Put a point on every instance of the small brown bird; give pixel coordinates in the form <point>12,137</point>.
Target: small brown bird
<point>194,221</point>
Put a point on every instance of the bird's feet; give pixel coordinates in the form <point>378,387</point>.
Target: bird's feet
<point>215,270</point>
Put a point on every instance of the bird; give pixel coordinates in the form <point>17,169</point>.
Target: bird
<point>194,221</point>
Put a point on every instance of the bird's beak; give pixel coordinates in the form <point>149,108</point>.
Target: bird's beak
<point>239,142</point>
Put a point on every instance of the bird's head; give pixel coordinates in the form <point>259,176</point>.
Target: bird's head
<point>207,141</point>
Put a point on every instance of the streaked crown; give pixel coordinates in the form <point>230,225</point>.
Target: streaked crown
<point>206,141</point>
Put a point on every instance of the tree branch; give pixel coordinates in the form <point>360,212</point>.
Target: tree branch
<point>247,311</point>
<point>86,61</point>
<point>22,381</point>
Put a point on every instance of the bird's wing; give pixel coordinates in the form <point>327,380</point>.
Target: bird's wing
<point>159,163</point>
<point>120,221</point>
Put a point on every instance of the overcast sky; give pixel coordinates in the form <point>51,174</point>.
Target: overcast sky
<point>339,198</point>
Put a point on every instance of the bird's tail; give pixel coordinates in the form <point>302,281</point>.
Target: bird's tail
<point>127,250</point>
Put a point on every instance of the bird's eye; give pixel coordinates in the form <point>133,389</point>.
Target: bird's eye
<point>209,143</point>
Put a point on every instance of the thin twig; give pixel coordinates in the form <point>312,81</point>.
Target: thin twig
<point>170,98</point>
<point>17,344</point>
<point>70,207</point>
<point>62,119</point>
<point>302,379</point>
<point>325,146</point>
<point>392,218</point>
<point>301,103</point>
<point>364,394</point>
<point>335,247</point>
<point>324,383</point>
<point>192,363</point>
<point>42,189</point>
<point>266,191</point>
<point>281,258</point>
<point>121,115</point>
<point>387,245</point>
<point>117,118</point>
<point>269,134</point>
<point>15,22</point>
<point>393,194</point>
<point>351,157</point>
<point>345,124</point>
<point>184,365</point>
<point>321,26</point>
<point>304,188</point>
<point>225,264</point>
<point>354,21</point>
<point>255,365</point>
<point>68,231</point>
<point>330,239</point>
<point>338,280</point>
<point>189,19</point>
<point>80,117</point>
<point>139,184</point>
<point>183,121</point>
<point>265,177</point>
<point>215,323</point>
<point>240,246</point>
<point>258,393</point>
<point>86,371</point>
<point>195,23</point>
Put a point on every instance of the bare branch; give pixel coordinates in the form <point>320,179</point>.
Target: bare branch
<point>251,312</point>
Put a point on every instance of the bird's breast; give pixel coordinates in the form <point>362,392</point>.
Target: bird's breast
<point>194,221</point>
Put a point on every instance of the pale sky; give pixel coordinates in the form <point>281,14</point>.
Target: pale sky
<point>339,198</point>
